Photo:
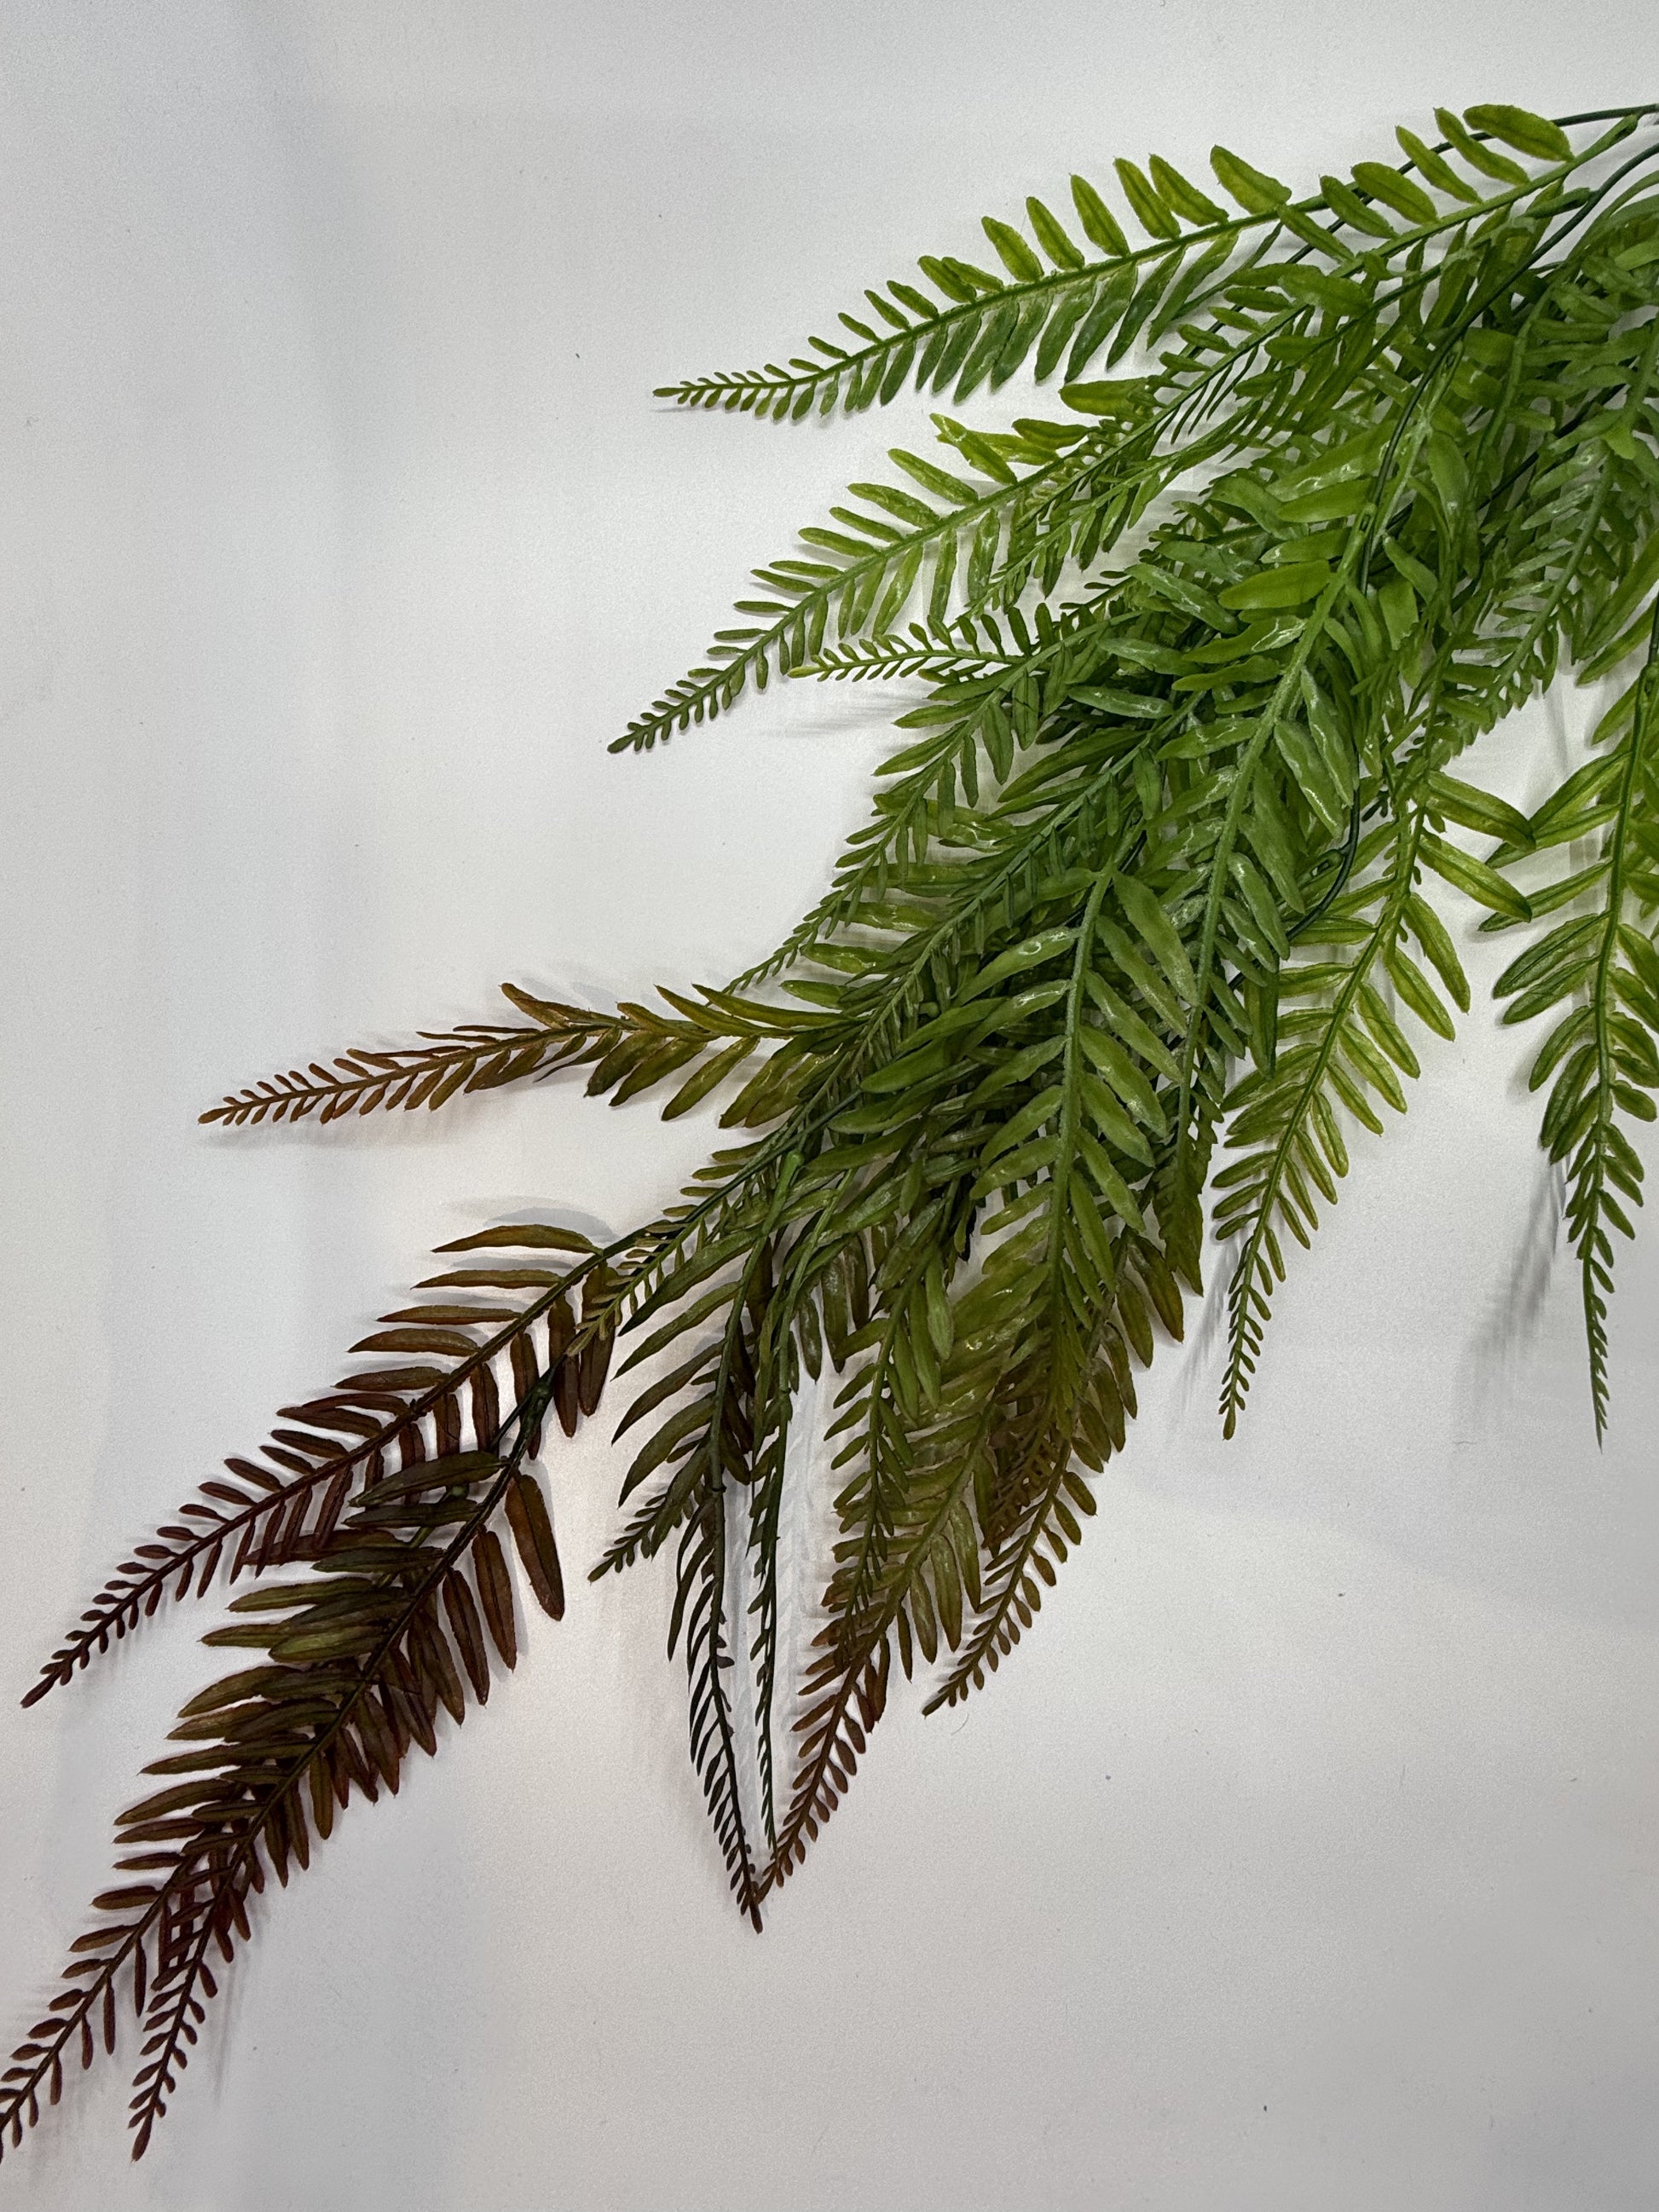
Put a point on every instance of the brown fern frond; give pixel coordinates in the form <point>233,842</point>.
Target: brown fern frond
<point>357,1660</point>
<point>630,1050</point>
<point>442,1396</point>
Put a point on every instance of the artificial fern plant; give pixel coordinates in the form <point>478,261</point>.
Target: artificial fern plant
<point>1152,871</point>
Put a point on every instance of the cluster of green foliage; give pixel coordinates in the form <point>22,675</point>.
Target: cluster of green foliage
<point>1154,870</point>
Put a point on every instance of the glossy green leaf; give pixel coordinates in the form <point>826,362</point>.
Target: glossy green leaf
<point>1255,192</point>
<point>1292,585</point>
<point>1100,225</point>
<point>1474,877</point>
<point>1150,210</point>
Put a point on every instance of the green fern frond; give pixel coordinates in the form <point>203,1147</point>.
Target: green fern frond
<point>1602,1053</point>
<point>1331,1056</point>
<point>863,573</point>
<point>982,327</point>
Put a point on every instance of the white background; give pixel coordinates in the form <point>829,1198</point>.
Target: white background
<point>1306,1855</point>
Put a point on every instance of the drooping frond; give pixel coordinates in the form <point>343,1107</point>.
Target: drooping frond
<point>408,1590</point>
<point>1334,1057</point>
<point>1604,1052</point>
<point>436,1389</point>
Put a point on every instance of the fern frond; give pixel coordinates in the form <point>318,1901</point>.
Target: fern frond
<point>934,651</point>
<point>981,330</point>
<point>477,1057</point>
<point>1052,298</point>
<point>440,1393</point>
<point>1602,1053</point>
<point>357,1660</point>
<point>628,1051</point>
<point>1335,1055</point>
<point>1150,869</point>
<point>863,573</point>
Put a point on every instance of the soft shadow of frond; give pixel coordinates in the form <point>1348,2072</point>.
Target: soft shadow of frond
<point>1513,1310</point>
<point>1200,1357</point>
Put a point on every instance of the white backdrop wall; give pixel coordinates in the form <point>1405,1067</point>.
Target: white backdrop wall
<point>1305,1855</point>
